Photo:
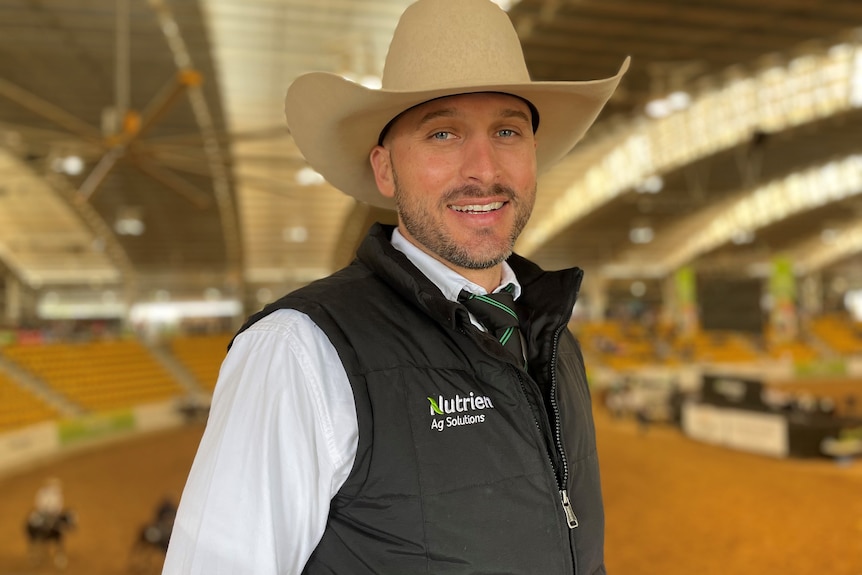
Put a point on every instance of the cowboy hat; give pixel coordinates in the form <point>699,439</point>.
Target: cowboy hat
<point>439,48</point>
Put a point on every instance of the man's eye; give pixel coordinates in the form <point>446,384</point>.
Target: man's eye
<point>441,135</point>
<point>507,133</point>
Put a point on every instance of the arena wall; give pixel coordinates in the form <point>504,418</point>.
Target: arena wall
<point>38,443</point>
<point>32,445</point>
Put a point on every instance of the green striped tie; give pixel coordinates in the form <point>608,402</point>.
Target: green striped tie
<point>496,312</point>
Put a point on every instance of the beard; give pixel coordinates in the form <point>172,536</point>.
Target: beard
<point>424,228</point>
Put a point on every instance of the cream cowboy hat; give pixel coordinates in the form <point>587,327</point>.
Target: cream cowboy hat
<point>439,48</point>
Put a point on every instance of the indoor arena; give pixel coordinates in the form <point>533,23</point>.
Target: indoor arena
<point>154,200</point>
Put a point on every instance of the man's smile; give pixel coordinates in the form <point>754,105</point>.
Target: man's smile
<point>478,208</point>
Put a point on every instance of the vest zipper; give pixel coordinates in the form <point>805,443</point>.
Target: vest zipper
<point>571,517</point>
<point>568,510</point>
<point>541,434</point>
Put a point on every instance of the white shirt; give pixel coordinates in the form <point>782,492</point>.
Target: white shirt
<point>279,443</point>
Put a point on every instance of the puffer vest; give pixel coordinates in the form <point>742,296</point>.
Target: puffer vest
<point>464,459</point>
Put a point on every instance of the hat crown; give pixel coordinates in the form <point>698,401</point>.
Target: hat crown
<point>442,43</point>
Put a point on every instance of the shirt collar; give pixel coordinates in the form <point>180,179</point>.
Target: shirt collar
<point>445,278</point>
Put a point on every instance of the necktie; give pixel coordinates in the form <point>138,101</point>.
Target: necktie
<point>496,312</point>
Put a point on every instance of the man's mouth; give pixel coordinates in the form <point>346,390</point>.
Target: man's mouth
<point>478,208</point>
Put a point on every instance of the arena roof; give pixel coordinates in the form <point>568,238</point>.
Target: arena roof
<point>143,147</point>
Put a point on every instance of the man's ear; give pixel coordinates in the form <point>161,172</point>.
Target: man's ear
<point>381,164</point>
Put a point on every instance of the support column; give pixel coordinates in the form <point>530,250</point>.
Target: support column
<point>811,295</point>
<point>680,290</point>
<point>784,321</point>
<point>12,307</point>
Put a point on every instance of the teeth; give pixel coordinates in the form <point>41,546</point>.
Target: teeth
<point>479,207</point>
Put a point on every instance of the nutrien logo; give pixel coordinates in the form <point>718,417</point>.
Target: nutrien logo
<point>460,406</point>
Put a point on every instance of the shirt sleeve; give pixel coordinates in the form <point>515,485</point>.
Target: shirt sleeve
<point>279,443</point>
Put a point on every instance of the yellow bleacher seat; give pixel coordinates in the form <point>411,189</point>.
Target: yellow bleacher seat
<point>99,374</point>
<point>202,355</point>
<point>19,407</point>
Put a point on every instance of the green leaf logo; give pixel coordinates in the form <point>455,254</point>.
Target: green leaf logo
<point>435,407</point>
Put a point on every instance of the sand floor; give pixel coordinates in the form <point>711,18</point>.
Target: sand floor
<point>674,506</point>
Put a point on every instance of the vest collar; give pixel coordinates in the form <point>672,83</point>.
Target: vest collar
<point>547,297</point>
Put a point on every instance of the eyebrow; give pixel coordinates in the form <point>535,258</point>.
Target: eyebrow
<point>450,113</point>
<point>442,113</point>
<point>512,113</point>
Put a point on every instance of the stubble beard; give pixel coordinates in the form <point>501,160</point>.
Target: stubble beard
<point>435,239</point>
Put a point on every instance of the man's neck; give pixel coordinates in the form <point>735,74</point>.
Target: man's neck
<point>488,278</point>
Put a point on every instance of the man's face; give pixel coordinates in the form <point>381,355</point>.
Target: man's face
<point>462,171</point>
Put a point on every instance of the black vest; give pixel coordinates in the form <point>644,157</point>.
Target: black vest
<point>462,454</point>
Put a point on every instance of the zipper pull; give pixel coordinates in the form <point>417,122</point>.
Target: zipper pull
<point>571,518</point>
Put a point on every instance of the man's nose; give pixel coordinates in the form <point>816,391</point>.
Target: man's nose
<point>480,163</point>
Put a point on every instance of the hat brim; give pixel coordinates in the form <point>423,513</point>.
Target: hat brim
<point>336,122</point>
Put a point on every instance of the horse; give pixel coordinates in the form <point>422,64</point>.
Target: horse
<point>45,534</point>
<point>148,552</point>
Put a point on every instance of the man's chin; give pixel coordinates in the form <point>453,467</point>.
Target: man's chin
<point>474,262</point>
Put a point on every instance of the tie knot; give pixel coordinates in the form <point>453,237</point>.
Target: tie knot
<point>495,311</point>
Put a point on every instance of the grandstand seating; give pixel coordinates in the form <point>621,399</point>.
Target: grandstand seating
<point>796,349</point>
<point>103,375</point>
<point>620,346</point>
<point>718,347</point>
<point>839,333</point>
<point>19,407</point>
<point>98,375</point>
<point>201,355</point>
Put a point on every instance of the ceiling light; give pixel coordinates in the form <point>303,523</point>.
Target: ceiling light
<point>641,235</point>
<point>658,109</point>
<point>295,234</point>
<point>828,236</point>
<point>70,165</point>
<point>129,222</point>
<point>741,237</point>
<point>73,165</point>
<point>679,100</point>
<point>651,185</point>
<point>638,288</point>
<point>129,227</point>
<point>664,107</point>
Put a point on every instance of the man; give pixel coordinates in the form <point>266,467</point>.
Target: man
<point>47,523</point>
<point>49,499</point>
<point>370,423</point>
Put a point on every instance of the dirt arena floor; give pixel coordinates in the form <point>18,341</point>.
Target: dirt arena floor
<point>674,506</point>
